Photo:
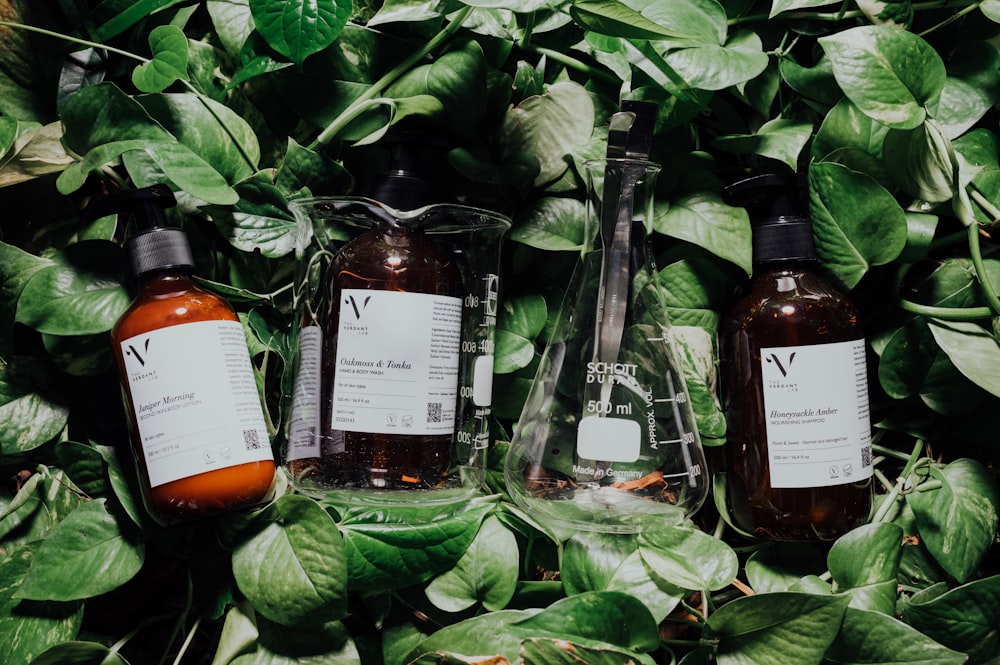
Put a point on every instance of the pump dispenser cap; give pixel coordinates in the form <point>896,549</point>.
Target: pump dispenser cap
<point>407,183</point>
<point>777,205</point>
<point>155,245</point>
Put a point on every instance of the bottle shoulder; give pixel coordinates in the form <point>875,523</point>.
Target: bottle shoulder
<point>793,304</point>
<point>163,302</point>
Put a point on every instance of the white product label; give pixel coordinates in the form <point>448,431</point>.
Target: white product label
<point>303,434</point>
<point>195,399</point>
<point>397,362</point>
<point>818,423</point>
<point>608,439</point>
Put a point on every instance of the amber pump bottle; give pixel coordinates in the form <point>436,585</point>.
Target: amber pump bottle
<point>798,454</point>
<point>391,348</point>
<point>195,418</point>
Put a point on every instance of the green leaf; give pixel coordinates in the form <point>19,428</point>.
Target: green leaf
<point>16,268</point>
<point>866,555</point>
<point>486,573</point>
<point>33,154</point>
<point>552,223</point>
<point>457,80</point>
<point>913,363</point>
<point>79,653</point>
<point>704,220</point>
<point>921,161</point>
<point>85,555</point>
<point>779,6</point>
<point>634,576</point>
<point>213,131</point>
<point>190,172</point>
<point>964,618</point>
<point>870,638</point>
<point>491,633</point>
<point>169,63</point>
<point>776,628</point>
<point>520,322</point>
<point>858,224</point>
<point>100,114</point>
<point>560,652</point>
<point>549,126</point>
<point>385,555</point>
<point>590,559</point>
<point>957,521</point>
<point>780,565</point>
<point>892,75</point>
<point>605,616</point>
<point>616,19</point>
<point>864,563</point>
<point>294,569</point>
<point>971,89</point>
<point>297,28</point>
<point>716,67</point>
<point>258,221</point>
<point>114,18</point>
<point>329,644</point>
<point>78,295</point>
<point>971,349</point>
<point>778,139</point>
<point>29,628</point>
<point>31,413</point>
<point>689,558</point>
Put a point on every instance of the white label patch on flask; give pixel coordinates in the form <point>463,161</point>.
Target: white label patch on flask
<point>195,399</point>
<point>816,408</point>
<point>397,362</point>
<point>608,439</point>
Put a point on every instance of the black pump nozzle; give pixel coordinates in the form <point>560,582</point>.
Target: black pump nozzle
<point>778,206</point>
<point>155,245</point>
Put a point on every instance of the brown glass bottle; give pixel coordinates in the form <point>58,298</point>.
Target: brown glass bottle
<point>170,298</point>
<point>790,310</point>
<point>384,258</point>
<point>195,419</point>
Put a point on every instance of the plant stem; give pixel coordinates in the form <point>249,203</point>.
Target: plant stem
<point>575,64</point>
<point>840,15</point>
<point>943,313</point>
<point>388,79</point>
<point>897,488</point>
<point>74,40</point>
<point>977,260</point>
<point>187,641</point>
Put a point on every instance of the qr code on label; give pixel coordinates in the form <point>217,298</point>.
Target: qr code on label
<point>434,412</point>
<point>251,439</point>
<point>866,456</point>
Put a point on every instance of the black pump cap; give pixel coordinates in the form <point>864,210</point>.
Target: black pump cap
<point>154,246</point>
<point>778,207</point>
<point>407,185</point>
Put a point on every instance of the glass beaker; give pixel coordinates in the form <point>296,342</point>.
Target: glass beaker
<point>392,387</point>
<point>607,438</point>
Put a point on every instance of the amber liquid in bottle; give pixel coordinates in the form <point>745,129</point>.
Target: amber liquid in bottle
<point>385,258</point>
<point>787,305</point>
<point>171,298</point>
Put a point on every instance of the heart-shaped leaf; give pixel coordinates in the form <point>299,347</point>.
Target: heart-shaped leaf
<point>958,520</point>
<point>169,63</point>
<point>294,569</point>
<point>298,28</point>
<point>892,75</point>
<point>85,555</point>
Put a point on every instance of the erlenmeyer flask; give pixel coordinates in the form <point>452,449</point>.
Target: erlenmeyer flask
<point>607,438</point>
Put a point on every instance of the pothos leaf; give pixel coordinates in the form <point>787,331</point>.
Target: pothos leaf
<point>892,75</point>
<point>958,520</point>
<point>298,28</point>
<point>85,555</point>
<point>170,57</point>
